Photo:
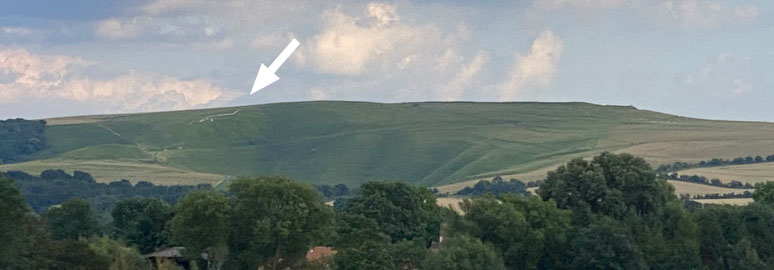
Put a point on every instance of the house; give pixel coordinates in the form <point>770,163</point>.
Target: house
<point>173,255</point>
<point>319,253</point>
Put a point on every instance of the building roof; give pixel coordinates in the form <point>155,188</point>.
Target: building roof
<point>317,253</point>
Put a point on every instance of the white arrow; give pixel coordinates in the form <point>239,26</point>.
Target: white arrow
<point>266,75</point>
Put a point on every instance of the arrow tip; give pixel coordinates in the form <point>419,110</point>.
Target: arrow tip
<point>264,78</point>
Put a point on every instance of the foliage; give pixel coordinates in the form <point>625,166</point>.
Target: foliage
<point>75,255</point>
<point>12,210</point>
<point>610,184</point>
<point>277,222</point>
<point>610,212</point>
<point>201,223</point>
<point>497,187</point>
<point>20,139</point>
<point>120,257</point>
<point>527,232</point>
<point>605,244</point>
<point>401,211</point>
<point>464,253</point>
<point>764,194</point>
<point>72,220</point>
<point>142,222</point>
<point>53,187</point>
<point>371,255</point>
<point>332,192</point>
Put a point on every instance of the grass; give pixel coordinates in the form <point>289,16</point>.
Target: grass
<point>736,201</point>
<point>430,144</point>
<point>699,189</point>
<point>107,171</point>
<point>749,173</point>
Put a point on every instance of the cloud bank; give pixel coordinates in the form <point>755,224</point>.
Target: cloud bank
<point>60,76</point>
<point>536,69</point>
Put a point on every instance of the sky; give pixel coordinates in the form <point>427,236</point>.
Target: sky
<point>699,58</point>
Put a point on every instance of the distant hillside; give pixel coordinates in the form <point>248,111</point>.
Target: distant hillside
<point>354,142</point>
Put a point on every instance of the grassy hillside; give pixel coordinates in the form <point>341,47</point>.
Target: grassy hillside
<point>421,143</point>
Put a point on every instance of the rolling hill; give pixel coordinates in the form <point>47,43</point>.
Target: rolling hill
<point>353,142</point>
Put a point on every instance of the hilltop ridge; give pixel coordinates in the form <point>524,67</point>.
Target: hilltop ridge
<point>426,143</point>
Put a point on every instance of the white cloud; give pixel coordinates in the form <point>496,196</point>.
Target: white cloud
<point>723,77</point>
<point>455,89</point>
<point>46,76</point>
<point>180,32</point>
<point>116,29</point>
<point>684,13</point>
<point>534,70</point>
<point>347,44</point>
<point>383,13</point>
<point>699,13</point>
<point>16,31</point>
<point>581,4</point>
<point>378,53</point>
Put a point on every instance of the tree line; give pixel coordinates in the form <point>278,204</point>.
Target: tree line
<point>19,139</point>
<point>732,195</point>
<point>53,187</point>
<point>698,179</point>
<point>496,187</point>
<point>610,212</point>
<point>714,163</point>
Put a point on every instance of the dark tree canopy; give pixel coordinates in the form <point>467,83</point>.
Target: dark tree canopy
<point>497,187</point>
<point>610,184</point>
<point>527,232</point>
<point>56,186</point>
<point>401,211</point>
<point>278,220</point>
<point>142,222</point>
<point>764,194</point>
<point>12,210</point>
<point>201,223</point>
<point>21,138</point>
<point>72,220</point>
<point>464,253</point>
<point>605,244</point>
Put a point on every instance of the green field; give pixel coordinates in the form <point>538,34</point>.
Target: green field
<point>427,144</point>
<point>749,173</point>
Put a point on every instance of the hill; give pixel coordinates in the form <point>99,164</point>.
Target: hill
<point>352,142</point>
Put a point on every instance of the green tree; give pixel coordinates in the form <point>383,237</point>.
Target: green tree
<point>370,255</point>
<point>12,235</point>
<point>72,220</point>
<point>720,229</point>
<point>201,223</point>
<point>74,255</point>
<point>610,184</point>
<point>764,194</point>
<point>605,244</point>
<point>120,257</point>
<point>408,254</point>
<point>142,222</point>
<point>464,253</point>
<point>529,233</point>
<point>278,221</point>
<point>401,211</point>
<point>668,239</point>
<point>353,230</point>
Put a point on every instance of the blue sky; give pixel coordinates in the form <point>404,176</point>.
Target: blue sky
<point>699,58</point>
